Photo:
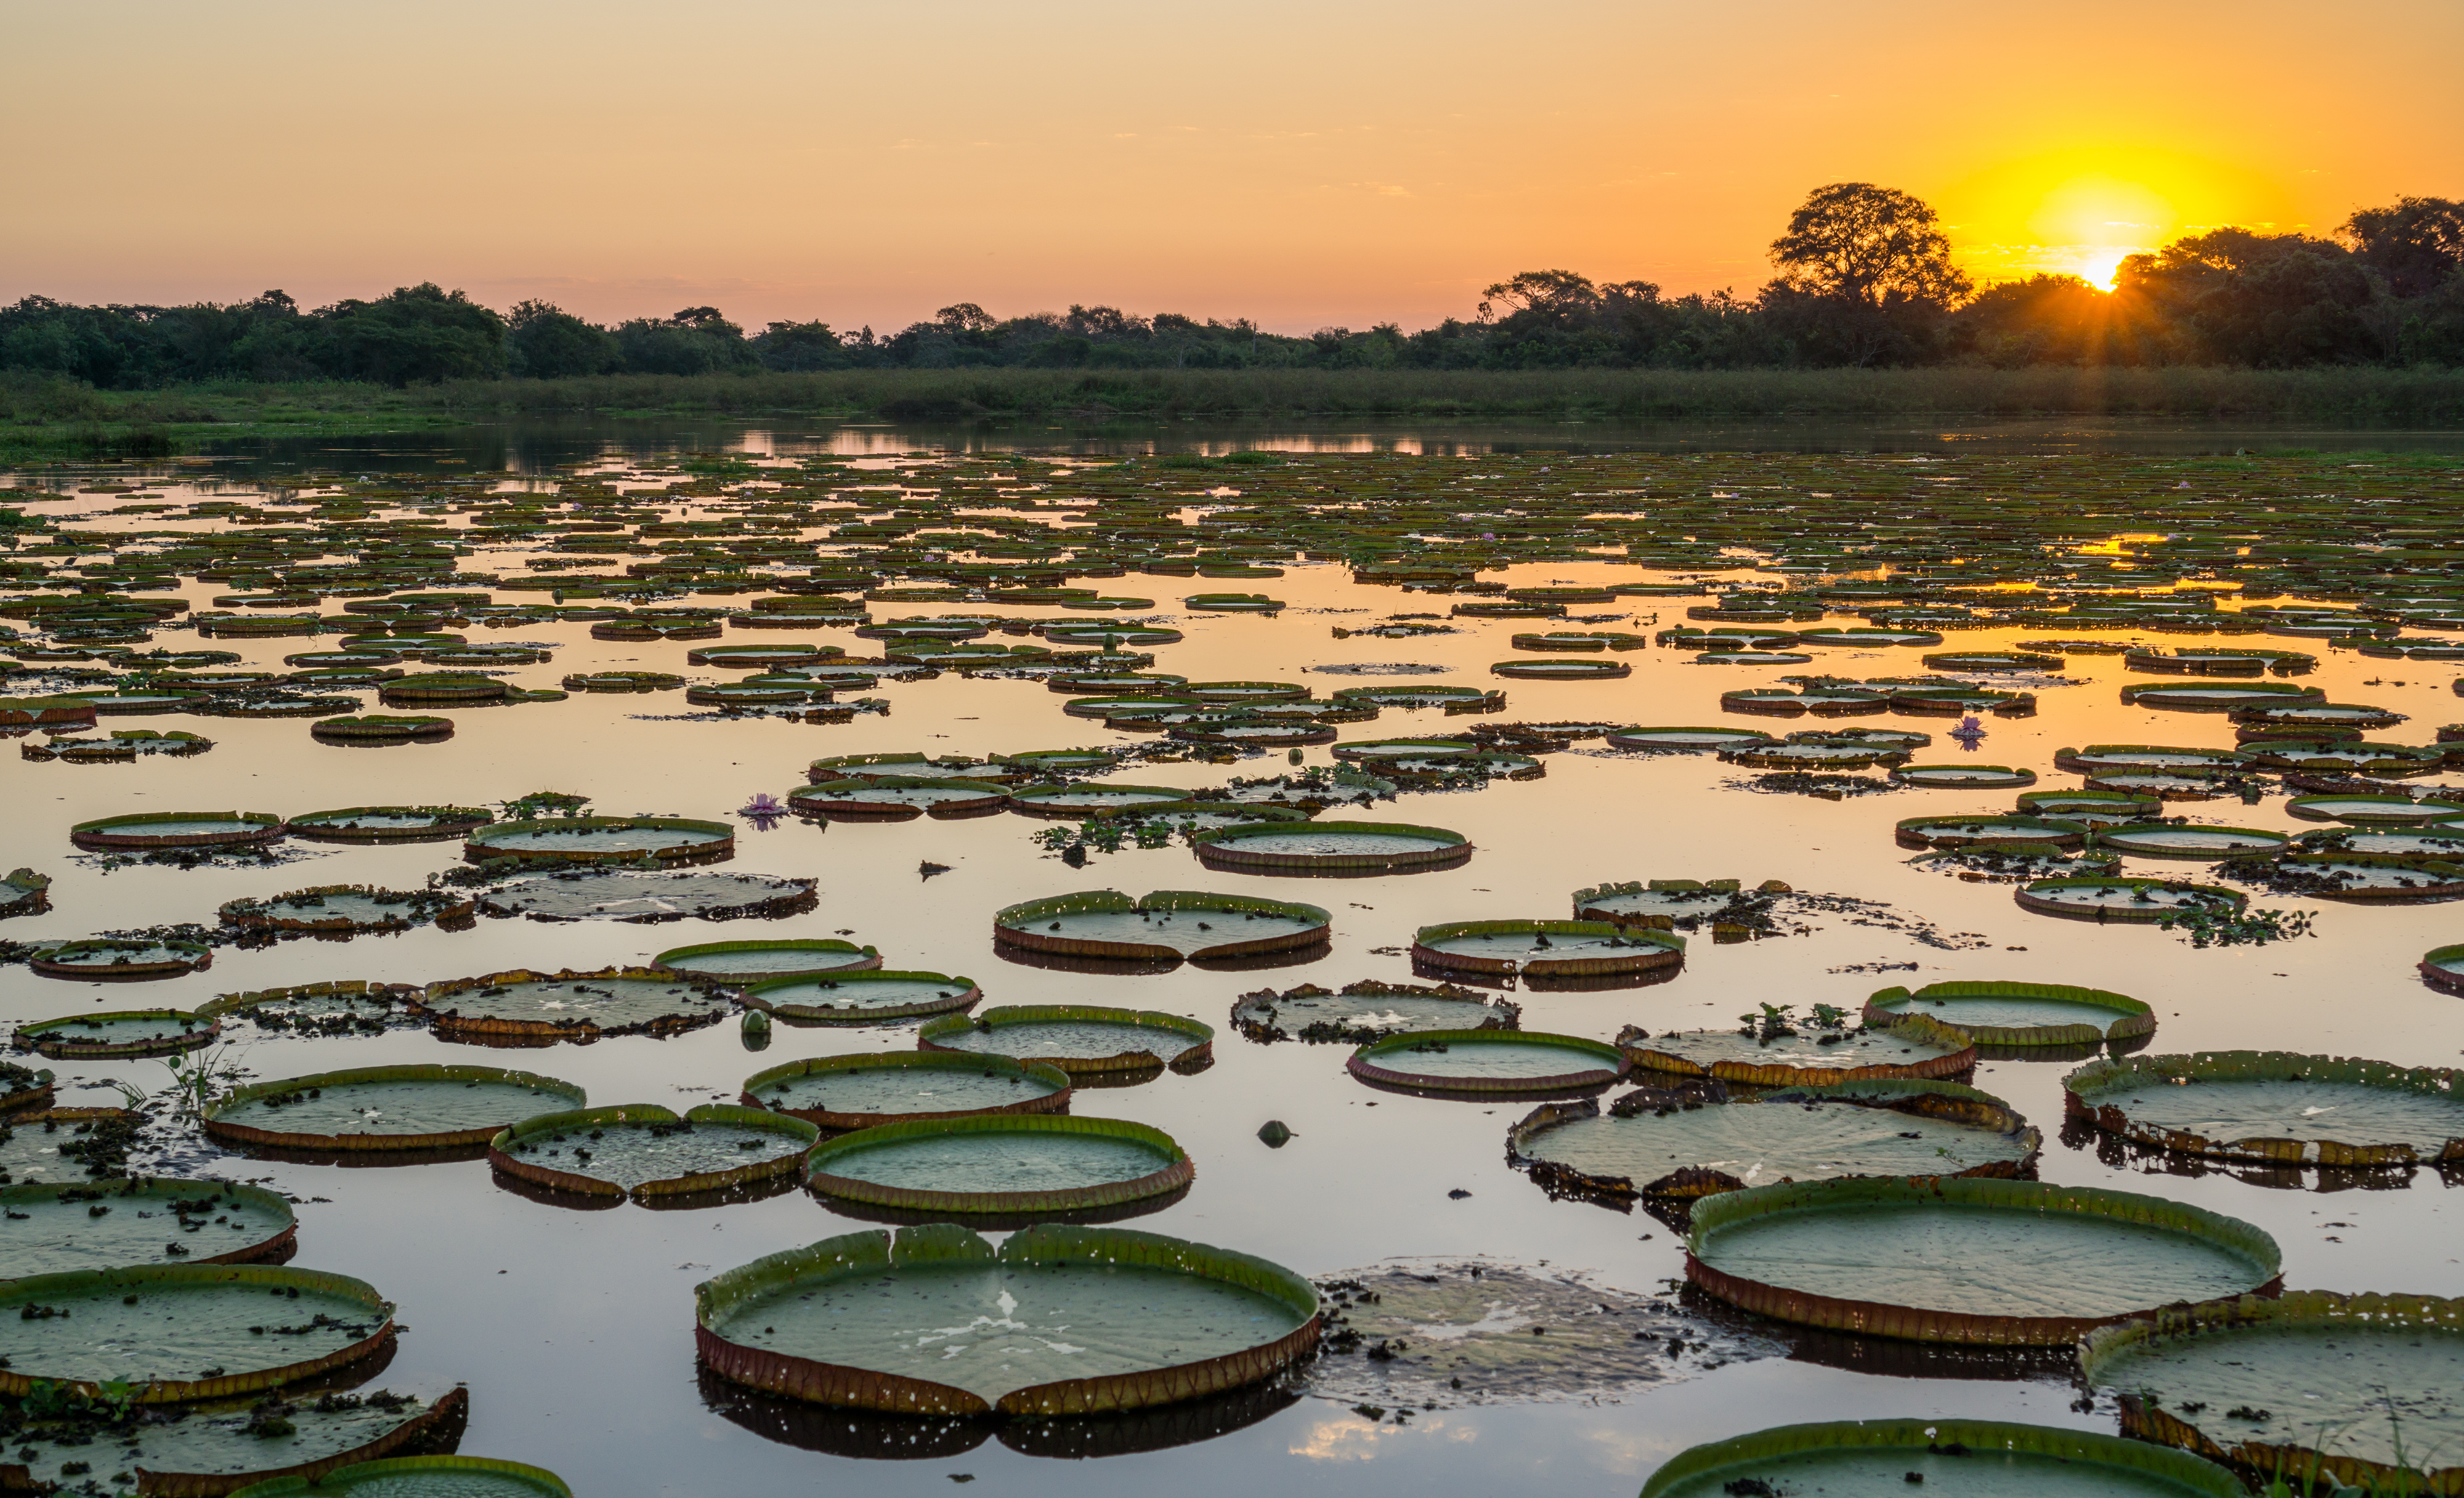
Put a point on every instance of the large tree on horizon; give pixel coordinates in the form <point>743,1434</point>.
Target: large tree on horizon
<point>1858,242</point>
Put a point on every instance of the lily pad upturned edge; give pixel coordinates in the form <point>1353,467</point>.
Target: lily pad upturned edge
<point>218,1122</point>
<point>1177,1173</point>
<point>1713,1458</point>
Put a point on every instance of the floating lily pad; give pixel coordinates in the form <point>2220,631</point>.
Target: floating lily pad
<point>382,728</point>
<point>666,839</point>
<point>2363,1389</point>
<point>1658,903</point>
<point>862,997</point>
<point>145,831</point>
<point>119,1032</point>
<point>1931,1259</point>
<point>1081,1040</point>
<point>2354,876</point>
<point>25,893</point>
<point>341,909</point>
<point>1073,1320</point>
<point>2208,843</point>
<point>1367,1010</point>
<point>1341,848</point>
<point>1964,777</point>
<point>2095,807</point>
<point>2275,1107</point>
<point>1697,1140</point>
<point>2097,759</point>
<point>1970,1459</point>
<point>644,898</point>
<point>416,1107</point>
<point>51,1228</point>
<point>1006,1164</point>
<point>1094,798</point>
<point>2113,898</point>
<point>270,1445</point>
<point>1164,927</point>
<point>2372,811</point>
<point>740,962</point>
<point>2023,1015</point>
<point>898,798</point>
<point>841,1092</point>
<point>112,960</point>
<point>1488,1063</point>
<point>1545,949</point>
<point>523,1007</point>
<point>390,824</point>
<point>186,1332</point>
<point>1954,831</point>
<point>1575,668</point>
<point>1762,1054</point>
<point>2443,968</point>
<point>643,1149</point>
<point>421,1477</point>
<point>911,768</point>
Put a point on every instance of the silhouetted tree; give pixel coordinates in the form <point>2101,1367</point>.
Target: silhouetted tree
<point>419,332</point>
<point>2417,244</point>
<point>547,342</point>
<point>1866,276</point>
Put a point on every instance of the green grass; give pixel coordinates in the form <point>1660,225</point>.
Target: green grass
<point>49,415</point>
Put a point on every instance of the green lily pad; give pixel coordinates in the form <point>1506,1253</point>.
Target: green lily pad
<point>1009,1164</point>
<point>2365,1389</point>
<point>523,1005</point>
<point>389,824</point>
<point>1079,1039</point>
<point>862,997</point>
<point>2276,1107</point>
<point>644,1149</point>
<point>2007,1263</point>
<point>2000,1013</point>
<point>755,961</point>
<point>1805,1051</point>
<point>207,1448</point>
<point>54,1229</point>
<point>645,898</point>
<point>2113,898</point>
<point>1330,848</point>
<point>1969,1459</point>
<point>2161,840</point>
<point>665,839</point>
<point>1167,925</point>
<point>422,1477</point>
<point>186,1332</point>
<point>347,1008</point>
<point>1546,948</point>
<point>347,907</point>
<point>1062,1320</point>
<point>413,1107</point>
<point>1693,1142</point>
<point>1367,1010</point>
<point>1488,1063</point>
<point>119,1032</point>
<point>861,1092</point>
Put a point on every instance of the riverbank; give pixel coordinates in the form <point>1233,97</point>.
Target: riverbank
<point>55,417</point>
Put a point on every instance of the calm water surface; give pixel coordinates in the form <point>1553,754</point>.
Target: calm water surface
<point>574,1328</point>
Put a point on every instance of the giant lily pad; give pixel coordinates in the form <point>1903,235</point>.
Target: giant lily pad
<point>186,1332</point>
<point>862,997</point>
<point>1081,1040</point>
<point>1488,1063</point>
<point>1164,927</point>
<point>50,1228</point>
<point>1365,1011</point>
<point>2443,968</point>
<point>1933,1259</point>
<point>524,1008</point>
<point>2112,898</point>
<point>347,1006</point>
<point>1342,848</point>
<point>842,1092</point>
<point>1768,1054</point>
<point>389,824</point>
<point>1006,1164</point>
<point>2275,1107</point>
<point>112,960</point>
<point>2372,811</point>
<point>1547,949</point>
<point>25,893</point>
<point>667,840</point>
<point>646,897</point>
<point>415,1106</point>
<point>2025,1015</point>
<point>1094,798</point>
<point>2363,1389</point>
<point>1967,1458</point>
<point>420,1477</point>
<point>643,1149</point>
<point>1956,831</point>
<point>119,1032</point>
<point>1697,1139</point>
<point>2207,844</point>
<point>898,797</point>
<point>342,909</point>
<point>269,1443</point>
<point>756,961</point>
<point>1067,1321</point>
<point>150,830</point>
<point>1687,740</point>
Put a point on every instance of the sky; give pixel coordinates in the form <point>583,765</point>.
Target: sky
<point>1340,162</point>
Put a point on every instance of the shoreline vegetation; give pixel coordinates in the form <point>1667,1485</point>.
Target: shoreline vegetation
<point>55,416</point>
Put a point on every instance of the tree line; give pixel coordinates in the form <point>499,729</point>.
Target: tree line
<point>1864,278</point>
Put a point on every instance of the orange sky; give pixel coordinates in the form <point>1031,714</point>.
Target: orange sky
<point>1340,162</point>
